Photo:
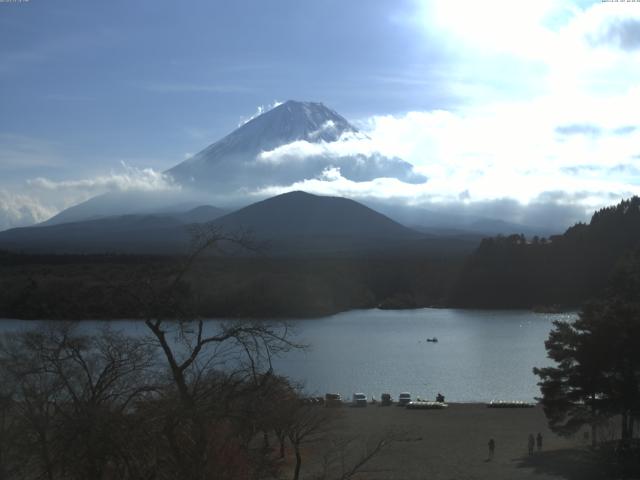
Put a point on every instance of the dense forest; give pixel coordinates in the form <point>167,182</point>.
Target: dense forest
<point>89,287</point>
<point>503,272</point>
<point>563,271</point>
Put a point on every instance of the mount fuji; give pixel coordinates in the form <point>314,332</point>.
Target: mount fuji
<point>288,143</point>
<point>292,142</point>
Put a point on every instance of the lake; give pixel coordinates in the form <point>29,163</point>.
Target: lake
<point>480,355</point>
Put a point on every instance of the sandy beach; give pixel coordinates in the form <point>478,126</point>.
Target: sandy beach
<point>453,444</point>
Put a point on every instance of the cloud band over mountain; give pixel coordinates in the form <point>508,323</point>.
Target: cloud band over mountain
<point>290,143</point>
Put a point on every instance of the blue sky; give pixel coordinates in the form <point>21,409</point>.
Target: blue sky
<point>529,102</point>
<point>145,82</point>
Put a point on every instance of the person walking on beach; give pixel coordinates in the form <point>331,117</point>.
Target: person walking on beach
<point>492,447</point>
<point>539,441</point>
<point>532,442</point>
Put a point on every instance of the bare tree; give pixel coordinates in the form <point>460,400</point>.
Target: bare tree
<point>9,428</point>
<point>219,369</point>
<point>307,424</point>
<point>71,395</point>
<point>102,406</point>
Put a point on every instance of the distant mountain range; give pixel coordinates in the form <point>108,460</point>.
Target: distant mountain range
<point>441,223</point>
<point>126,203</point>
<point>325,255</point>
<point>162,233</point>
<point>252,157</point>
<point>292,223</point>
<point>265,152</point>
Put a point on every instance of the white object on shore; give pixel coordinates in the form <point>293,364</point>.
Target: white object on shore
<point>425,405</point>
<point>404,398</point>
<point>510,404</point>
<point>359,400</point>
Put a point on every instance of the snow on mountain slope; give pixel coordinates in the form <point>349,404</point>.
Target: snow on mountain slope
<point>286,123</point>
<point>292,142</point>
<point>246,158</point>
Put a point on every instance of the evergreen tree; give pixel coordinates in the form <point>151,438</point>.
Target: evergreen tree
<point>597,375</point>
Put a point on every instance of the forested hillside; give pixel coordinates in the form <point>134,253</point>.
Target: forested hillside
<point>92,286</point>
<point>503,272</point>
<point>564,270</point>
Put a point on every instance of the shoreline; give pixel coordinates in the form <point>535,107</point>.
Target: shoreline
<point>285,318</point>
<point>452,443</point>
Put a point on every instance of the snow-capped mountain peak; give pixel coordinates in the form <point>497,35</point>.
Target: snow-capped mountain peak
<point>295,120</point>
<point>238,162</point>
<point>288,122</point>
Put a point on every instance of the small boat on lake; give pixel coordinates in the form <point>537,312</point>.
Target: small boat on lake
<point>432,340</point>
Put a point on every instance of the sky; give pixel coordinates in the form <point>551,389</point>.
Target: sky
<point>521,110</point>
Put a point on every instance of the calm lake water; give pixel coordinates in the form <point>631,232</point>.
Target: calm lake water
<point>479,356</point>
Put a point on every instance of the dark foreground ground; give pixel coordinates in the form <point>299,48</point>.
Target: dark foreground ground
<point>451,444</point>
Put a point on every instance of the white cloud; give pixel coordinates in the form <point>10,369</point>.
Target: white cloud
<point>17,210</point>
<point>511,151</point>
<point>354,153</point>
<point>332,182</point>
<point>130,179</point>
<point>549,87</point>
<point>41,198</point>
<point>501,26</point>
<point>547,96</point>
<point>503,49</point>
<point>259,111</point>
<point>349,144</point>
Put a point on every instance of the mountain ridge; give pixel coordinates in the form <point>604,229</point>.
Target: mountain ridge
<point>287,144</point>
<point>294,222</point>
<point>316,214</point>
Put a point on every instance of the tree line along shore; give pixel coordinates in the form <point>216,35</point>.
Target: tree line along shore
<point>548,274</point>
